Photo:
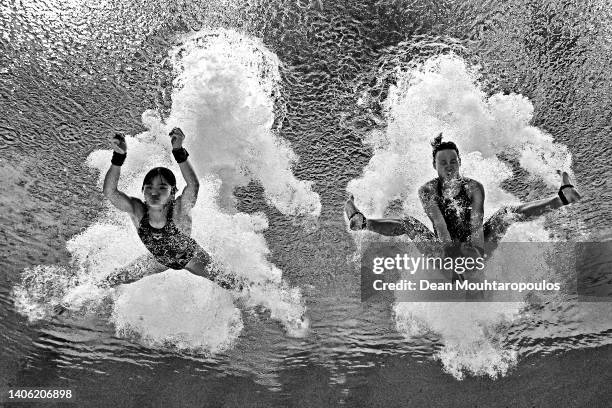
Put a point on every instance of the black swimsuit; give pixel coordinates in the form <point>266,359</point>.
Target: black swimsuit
<point>168,244</point>
<point>456,212</point>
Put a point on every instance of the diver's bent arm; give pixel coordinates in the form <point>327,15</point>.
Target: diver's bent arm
<point>119,199</point>
<point>190,192</point>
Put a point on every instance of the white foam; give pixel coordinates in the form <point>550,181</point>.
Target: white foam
<point>223,98</point>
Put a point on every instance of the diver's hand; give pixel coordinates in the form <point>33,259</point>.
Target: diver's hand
<point>176,137</point>
<point>119,144</point>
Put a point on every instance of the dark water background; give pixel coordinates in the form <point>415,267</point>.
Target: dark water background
<point>70,73</point>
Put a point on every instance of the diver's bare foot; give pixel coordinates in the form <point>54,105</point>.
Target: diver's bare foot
<point>355,217</point>
<point>569,192</point>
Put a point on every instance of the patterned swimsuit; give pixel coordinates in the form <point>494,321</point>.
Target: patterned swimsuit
<point>168,244</point>
<point>457,212</point>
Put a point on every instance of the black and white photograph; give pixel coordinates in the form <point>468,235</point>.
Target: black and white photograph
<point>305,203</point>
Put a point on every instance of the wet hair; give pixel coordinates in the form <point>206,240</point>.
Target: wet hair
<point>164,173</point>
<point>437,144</point>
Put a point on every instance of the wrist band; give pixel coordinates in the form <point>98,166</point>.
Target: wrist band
<point>180,155</point>
<point>118,158</point>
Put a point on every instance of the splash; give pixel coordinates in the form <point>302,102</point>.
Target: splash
<point>223,99</point>
<point>206,320</point>
<point>40,290</point>
<point>442,95</point>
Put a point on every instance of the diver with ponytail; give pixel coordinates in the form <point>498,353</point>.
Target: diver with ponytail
<point>455,206</point>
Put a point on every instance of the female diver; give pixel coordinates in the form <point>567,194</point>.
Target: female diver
<point>163,221</point>
<point>455,206</point>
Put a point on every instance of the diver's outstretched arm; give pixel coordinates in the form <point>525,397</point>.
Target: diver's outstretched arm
<point>497,225</point>
<point>142,266</point>
<point>119,199</point>
<point>567,195</point>
<point>390,227</point>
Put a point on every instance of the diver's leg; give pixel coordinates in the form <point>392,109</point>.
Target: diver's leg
<point>137,269</point>
<point>201,265</point>
<point>390,227</point>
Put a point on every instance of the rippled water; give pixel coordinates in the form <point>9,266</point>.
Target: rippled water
<point>332,80</point>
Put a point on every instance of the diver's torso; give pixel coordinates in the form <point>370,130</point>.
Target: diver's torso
<point>456,208</point>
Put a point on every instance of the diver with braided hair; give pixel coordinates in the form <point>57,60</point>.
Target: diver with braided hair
<point>455,206</point>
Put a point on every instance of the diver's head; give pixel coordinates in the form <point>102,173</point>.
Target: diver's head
<point>159,187</point>
<point>446,158</point>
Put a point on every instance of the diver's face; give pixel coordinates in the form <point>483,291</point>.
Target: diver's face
<point>447,164</point>
<point>158,192</point>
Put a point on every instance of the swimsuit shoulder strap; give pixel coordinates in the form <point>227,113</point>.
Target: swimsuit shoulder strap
<point>145,214</point>
<point>170,214</point>
<point>144,221</point>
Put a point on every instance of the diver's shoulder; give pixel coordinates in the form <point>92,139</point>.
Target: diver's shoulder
<point>430,185</point>
<point>473,184</point>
